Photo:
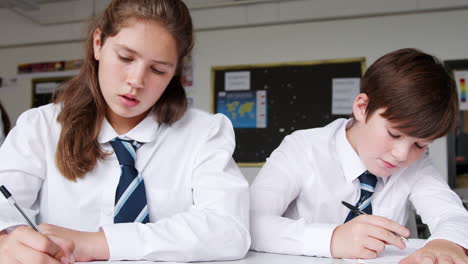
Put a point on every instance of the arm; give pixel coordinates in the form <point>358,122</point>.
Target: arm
<point>214,228</point>
<point>441,209</point>
<point>276,186</point>
<point>22,172</point>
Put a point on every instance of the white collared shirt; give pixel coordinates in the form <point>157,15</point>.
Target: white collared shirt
<point>296,197</point>
<point>197,197</point>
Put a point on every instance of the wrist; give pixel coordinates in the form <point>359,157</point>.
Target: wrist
<point>98,248</point>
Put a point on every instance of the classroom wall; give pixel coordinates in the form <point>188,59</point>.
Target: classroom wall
<point>442,33</point>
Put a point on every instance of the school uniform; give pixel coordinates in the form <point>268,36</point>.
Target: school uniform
<point>296,197</point>
<point>197,197</point>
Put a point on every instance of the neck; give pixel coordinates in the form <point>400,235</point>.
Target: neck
<point>351,136</point>
<point>122,125</point>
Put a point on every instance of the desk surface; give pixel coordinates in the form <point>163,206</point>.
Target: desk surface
<point>392,255</point>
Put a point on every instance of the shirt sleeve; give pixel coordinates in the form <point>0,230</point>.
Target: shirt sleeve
<point>214,228</point>
<point>439,207</point>
<point>276,186</point>
<point>22,168</point>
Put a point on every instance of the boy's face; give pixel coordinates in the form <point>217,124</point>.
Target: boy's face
<point>380,146</point>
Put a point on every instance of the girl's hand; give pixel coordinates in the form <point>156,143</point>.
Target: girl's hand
<point>365,236</point>
<point>89,246</point>
<point>438,251</point>
<point>25,245</point>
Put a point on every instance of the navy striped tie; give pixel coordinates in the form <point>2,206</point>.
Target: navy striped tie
<point>130,197</point>
<point>368,182</point>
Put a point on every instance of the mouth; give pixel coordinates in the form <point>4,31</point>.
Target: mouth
<point>389,165</point>
<point>129,97</point>
<point>129,100</point>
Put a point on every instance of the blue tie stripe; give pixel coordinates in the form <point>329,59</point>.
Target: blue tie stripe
<point>130,197</point>
<point>130,149</point>
<point>122,199</point>
<point>143,215</point>
<point>367,187</point>
<point>367,184</point>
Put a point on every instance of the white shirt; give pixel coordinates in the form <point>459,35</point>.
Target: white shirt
<point>197,197</point>
<point>296,197</point>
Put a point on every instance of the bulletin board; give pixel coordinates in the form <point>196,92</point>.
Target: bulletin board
<point>266,102</point>
<point>457,141</point>
<point>44,89</point>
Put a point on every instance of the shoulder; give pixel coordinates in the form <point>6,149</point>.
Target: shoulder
<point>46,115</point>
<point>313,136</point>
<point>203,121</point>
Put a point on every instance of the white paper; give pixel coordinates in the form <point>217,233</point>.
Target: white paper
<point>9,83</point>
<point>461,79</point>
<point>261,109</point>
<point>46,87</point>
<point>344,91</point>
<point>393,254</point>
<point>237,81</point>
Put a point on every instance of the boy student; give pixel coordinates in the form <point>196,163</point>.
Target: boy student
<point>375,160</point>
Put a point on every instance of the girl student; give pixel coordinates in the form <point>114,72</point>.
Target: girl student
<point>118,168</point>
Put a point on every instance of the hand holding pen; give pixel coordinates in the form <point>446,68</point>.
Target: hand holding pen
<point>359,212</point>
<point>365,236</point>
<point>30,245</point>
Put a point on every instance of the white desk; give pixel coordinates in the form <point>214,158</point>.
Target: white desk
<point>253,258</point>
<point>391,255</point>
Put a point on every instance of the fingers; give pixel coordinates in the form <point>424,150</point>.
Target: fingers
<point>384,223</point>
<point>29,255</point>
<point>385,236</point>
<point>66,245</point>
<point>374,245</point>
<point>39,242</point>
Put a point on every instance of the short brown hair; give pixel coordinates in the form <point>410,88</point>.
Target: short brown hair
<point>416,91</point>
<point>83,105</point>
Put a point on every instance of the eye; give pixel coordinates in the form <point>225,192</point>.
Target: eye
<point>154,70</point>
<point>124,59</point>
<point>419,146</point>
<point>393,135</point>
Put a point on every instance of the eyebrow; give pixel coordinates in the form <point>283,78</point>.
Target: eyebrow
<point>136,53</point>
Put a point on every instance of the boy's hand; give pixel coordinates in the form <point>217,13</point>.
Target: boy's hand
<point>365,236</point>
<point>25,245</point>
<point>89,246</point>
<point>437,251</point>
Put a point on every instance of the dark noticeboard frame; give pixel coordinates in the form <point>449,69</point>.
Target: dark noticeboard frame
<point>298,96</point>
<point>452,66</point>
<point>44,97</point>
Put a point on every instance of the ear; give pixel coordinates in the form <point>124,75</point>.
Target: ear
<point>97,43</point>
<point>360,107</point>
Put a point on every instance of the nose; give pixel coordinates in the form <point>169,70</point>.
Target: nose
<point>400,151</point>
<point>136,76</point>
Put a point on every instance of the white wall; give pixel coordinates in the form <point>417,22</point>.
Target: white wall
<point>442,33</point>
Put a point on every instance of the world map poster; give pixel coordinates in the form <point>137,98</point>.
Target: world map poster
<point>245,109</point>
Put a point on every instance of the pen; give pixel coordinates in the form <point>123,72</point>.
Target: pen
<point>359,212</point>
<point>12,201</point>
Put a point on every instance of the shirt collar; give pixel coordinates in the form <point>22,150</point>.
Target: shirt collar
<point>350,162</point>
<point>144,132</point>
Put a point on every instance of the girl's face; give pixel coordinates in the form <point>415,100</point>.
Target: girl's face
<point>135,67</point>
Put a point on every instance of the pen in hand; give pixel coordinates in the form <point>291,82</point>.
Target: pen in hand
<point>359,212</point>
<point>12,201</point>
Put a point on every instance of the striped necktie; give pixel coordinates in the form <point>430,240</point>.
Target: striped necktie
<point>130,196</point>
<point>367,181</point>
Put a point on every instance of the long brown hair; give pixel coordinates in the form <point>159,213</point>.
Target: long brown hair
<point>83,105</point>
<point>417,92</point>
<point>5,120</point>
